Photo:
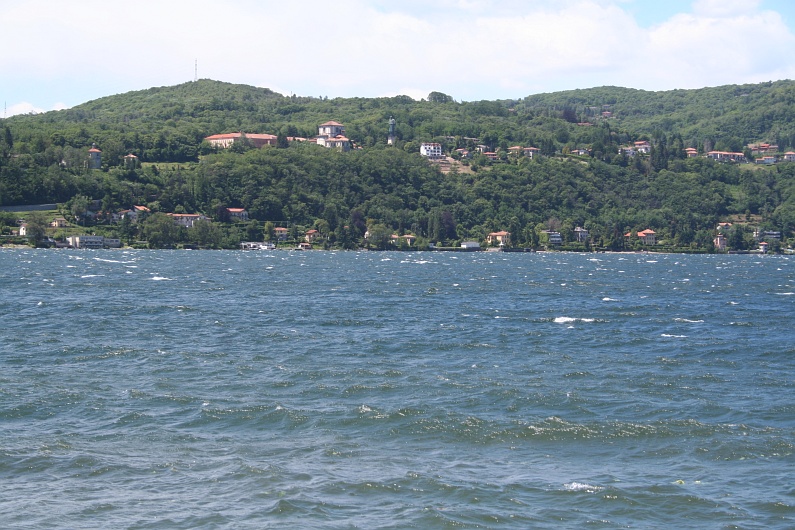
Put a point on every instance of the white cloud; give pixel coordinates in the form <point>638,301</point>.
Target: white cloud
<point>724,8</point>
<point>23,108</point>
<point>470,49</point>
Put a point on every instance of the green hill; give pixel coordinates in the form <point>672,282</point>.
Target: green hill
<point>42,159</point>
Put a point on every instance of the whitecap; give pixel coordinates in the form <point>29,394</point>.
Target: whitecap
<point>608,299</point>
<point>581,486</point>
<point>688,321</point>
<point>91,275</point>
<point>667,336</point>
<point>785,294</point>
<point>161,278</point>
<point>567,320</point>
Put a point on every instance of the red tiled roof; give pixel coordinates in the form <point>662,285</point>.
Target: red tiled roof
<point>331,123</point>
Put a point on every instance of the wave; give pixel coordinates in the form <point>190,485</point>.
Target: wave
<point>569,320</point>
<point>688,321</point>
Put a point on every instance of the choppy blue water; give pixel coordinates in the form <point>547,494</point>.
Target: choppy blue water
<point>178,389</point>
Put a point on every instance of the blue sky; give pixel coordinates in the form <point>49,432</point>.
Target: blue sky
<point>60,54</point>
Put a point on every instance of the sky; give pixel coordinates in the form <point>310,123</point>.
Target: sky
<point>60,54</point>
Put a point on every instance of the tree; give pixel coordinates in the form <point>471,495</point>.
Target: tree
<point>379,236</point>
<point>205,233</point>
<point>79,207</point>
<point>439,97</point>
<point>160,230</point>
<point>37,227</point>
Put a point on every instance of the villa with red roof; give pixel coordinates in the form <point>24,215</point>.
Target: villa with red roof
<point>237,214</point>
<point>647,237</point>
<point>503,238</point>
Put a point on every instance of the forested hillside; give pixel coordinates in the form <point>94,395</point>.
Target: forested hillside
<point>393,189</point>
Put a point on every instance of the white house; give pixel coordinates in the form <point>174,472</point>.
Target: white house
<point>223,141</point>
<point>186,219</point>
<point>332,135</point>
<point>431,150</point>
<point>86,241</point>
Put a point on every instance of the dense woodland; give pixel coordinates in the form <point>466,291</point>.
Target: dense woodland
<point>392,189</point>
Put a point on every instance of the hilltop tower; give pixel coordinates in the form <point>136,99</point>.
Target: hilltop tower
<point>390,140</point>
<point>94,157</point>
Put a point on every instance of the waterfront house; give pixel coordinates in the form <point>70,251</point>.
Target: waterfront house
<point>581,234</point>
<point>719,242</point>
<point>553,238</point>
<point>280,233</point>
<point>311,235</point>
<point>502,238</point>
<point>647,237</point>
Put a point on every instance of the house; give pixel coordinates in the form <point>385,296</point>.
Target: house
<point>135,213</point>
<point>331,129</point>
<point>332,135</point>
<point>763,247</point>
<point>303,245</point>
<point>691,152</point>
<point>186,219</point>
<point>789,156</point>
<point>759,235</point>
<point>647,237</point>
<point>643,146</point>
<point>502,238</point>
<point>766,160</point>
<point>86,241</point>
<point>23,229</point>
<point>470,245</point>
<point>237,214</point>
<point>581,234</point>
<point>58,222</point>
<point>720,242</point>
<point>431,150</point>
<point>530,152</point>
<point>130,161</point>
<point>224,141</point>
<point>464,153</point>
<point>724,226</point>
<point>408,238</point>
<point>491,155</point>
<point>280,233</point>
<point>726,156</point>
<point>311,235</point>
<point>339,142</point>
<point>554,238</point>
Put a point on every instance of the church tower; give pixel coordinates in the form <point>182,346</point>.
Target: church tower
<point>94,157</point>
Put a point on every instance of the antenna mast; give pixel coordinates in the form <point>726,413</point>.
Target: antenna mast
<point>196,71</point>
